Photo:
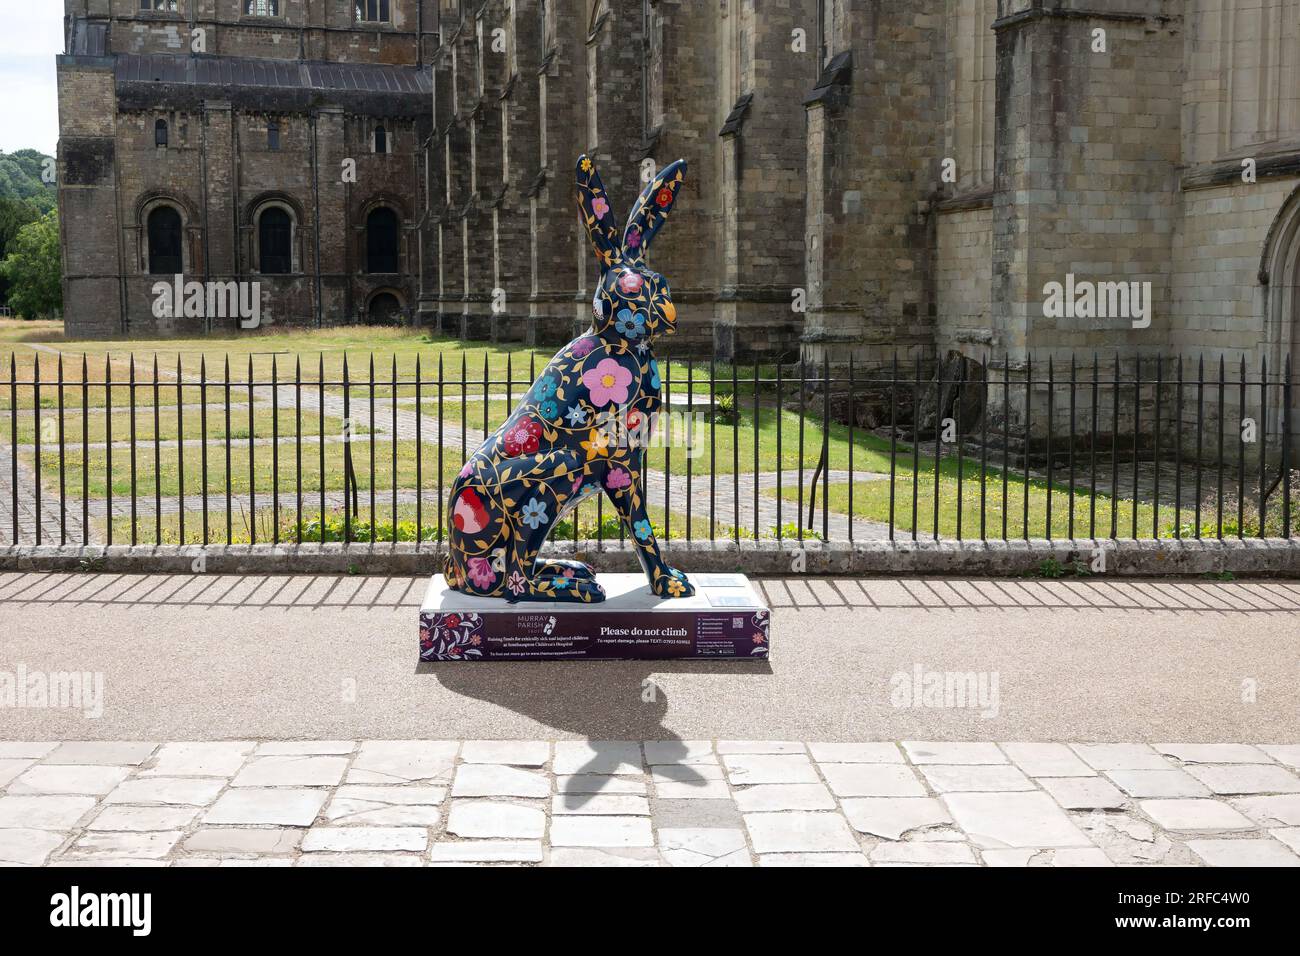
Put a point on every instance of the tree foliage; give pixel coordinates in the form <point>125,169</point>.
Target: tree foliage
<point>32,269</point>
<point>21,177</point>
<point>14,214</point>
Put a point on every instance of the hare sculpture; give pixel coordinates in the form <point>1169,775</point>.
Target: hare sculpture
<point>581,429</point>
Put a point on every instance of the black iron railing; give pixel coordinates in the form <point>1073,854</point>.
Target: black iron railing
<point>124,450</point>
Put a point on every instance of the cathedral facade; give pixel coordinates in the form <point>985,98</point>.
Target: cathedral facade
<point>277,142</point>
<point>866,176</point>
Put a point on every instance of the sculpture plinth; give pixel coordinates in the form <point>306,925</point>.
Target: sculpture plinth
<point>725,619</point>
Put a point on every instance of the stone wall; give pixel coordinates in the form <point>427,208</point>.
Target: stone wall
<point>220,168</point>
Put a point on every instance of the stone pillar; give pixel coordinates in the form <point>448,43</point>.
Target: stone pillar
<point>1086,180</point>
<point>683,100</point>
<point>331,234</point>
<point>481,109</point>
<point>761,236</point>
<point>219,191</point>
<point>875,123</point>
<point>559,250</point>
<point>615,118</point>
<point>94,288</point>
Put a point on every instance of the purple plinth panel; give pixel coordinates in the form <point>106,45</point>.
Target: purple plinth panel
<point>724,620</point>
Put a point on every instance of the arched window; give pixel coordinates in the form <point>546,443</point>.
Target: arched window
<point>382,241</point>
<point>385,309</point>
<point>160,133</point>
<point>273,136</point>
<point>274,242</point>
<point>381,139</point>
<point>164,228</point>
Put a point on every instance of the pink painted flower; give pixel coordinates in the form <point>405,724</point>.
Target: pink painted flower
<point>517,584</point>
<point>582,348</point>
<point>600,207</point>
<point>634,238</point>
<point>577,483</point>
<point>467,470</point>
<point>630,283</point>
<point>481,573</point>
<point>618,478</point>
<point>607,382</point>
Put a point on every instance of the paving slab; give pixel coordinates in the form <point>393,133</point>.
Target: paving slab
<point>1013,820</point>
<point>1244,853</point>
<point>800,832</point>
<point>276,806</point>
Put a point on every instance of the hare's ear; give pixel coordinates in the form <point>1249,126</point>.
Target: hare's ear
<point>596,213</point>
<point>652,209</point>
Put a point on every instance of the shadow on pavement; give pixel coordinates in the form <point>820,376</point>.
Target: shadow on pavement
<point>605,702</point>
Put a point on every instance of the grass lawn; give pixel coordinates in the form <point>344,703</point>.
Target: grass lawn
<point>261,476</point>
<point>871,502</point>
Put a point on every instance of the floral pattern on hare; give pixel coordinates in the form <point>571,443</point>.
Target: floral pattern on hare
<point>581,429</point>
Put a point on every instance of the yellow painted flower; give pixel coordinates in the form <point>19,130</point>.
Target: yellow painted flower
<point>675,587</point>
<point>586,165</point>
<point>597,444</point>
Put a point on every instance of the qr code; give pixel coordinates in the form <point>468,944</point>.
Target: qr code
<point>737,623</point>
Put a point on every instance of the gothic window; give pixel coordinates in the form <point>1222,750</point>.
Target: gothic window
<point>547,32</point>
<point>262,8</point>
<point>274,242</point>
<point>381,140</point>
<point>273,136</point>
<point>374,11</point>
<point>382,241</point>
<point>169,5</point>
<point>164,230</point>
<point>160,133</point>
<point>826,29</point>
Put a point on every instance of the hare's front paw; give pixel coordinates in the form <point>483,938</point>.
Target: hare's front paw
<point>671,583</point>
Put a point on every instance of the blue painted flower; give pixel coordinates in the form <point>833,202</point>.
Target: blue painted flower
<point>549,408</point>
<point>642,529</point>
<point>546,388</point>
<point>577,415</point>
<point>561,582</point>
<point>629,323</point>
<point>534,514</point>
<point>654,373</point>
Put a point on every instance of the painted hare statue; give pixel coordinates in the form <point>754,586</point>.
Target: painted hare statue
<point>580,431</point>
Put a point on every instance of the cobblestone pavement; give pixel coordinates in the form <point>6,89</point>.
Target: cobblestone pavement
<point>49,519</point>
<point>673,802</point>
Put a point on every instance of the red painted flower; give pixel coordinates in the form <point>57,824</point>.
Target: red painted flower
<point>452,620</point>
<point>522,438</point>
<point>468,514</point>
<point>664,197</point>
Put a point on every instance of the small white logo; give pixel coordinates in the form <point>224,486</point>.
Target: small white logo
<point>74,909</point>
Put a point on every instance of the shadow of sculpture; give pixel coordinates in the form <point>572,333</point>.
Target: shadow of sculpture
<point>607,703</point>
